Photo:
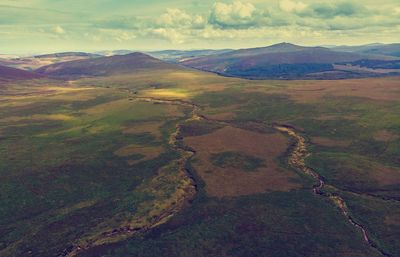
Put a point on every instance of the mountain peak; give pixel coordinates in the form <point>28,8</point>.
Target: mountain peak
<point>284,45</point>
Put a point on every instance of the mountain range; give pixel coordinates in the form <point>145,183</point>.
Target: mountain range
<point>288,61</point>
<point>380,49</point>
<point>104,66</point>
<point>279,61</point>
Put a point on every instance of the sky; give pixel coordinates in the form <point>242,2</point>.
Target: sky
<point>43,26</point>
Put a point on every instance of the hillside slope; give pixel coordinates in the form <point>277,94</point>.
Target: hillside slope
<point>9,73</point>
<point>105,66</point>
<point>278,61</point>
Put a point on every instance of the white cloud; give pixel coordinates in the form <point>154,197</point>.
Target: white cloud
<point>172,35</point>
<point>124,36</point>
<point>292,6</point>
<point>58,30</point>
<point>178,18</point>
<point>222,23</point>
<point>237,14</point>
<point>235,10</point>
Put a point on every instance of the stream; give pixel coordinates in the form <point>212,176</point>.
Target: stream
<point>296,160</point>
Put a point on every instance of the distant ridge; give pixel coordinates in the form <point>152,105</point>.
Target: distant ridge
<point>67,54</point>
<point>37,61</point>
<point>181,55</point>
<point>283,61</point>
<point>105,66</point>
<point>376,48</point>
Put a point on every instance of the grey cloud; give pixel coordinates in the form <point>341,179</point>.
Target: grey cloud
<point>237,15</point>
<point>331,10</point>
<point>119,23</point>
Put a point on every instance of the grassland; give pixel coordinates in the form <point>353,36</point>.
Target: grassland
<point>73,167</point>
<point>88,163</point>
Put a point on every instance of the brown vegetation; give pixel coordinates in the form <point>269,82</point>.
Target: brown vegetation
<point>148,152</point>
<point>222,182</point>
<point>385,136</point>
<point>385,175</point>
<point>152,127</point>
<point>323,141</point>
<point>382,89</point>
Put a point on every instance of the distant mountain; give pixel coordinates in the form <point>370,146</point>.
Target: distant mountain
<point>377,49</point>
<point>104,66</point>
<point>37,61</point>
<point>67,54</point>
<point>284,60</point>
<point>9,73</point>
<point>181,55</point>
<point>168,55</point>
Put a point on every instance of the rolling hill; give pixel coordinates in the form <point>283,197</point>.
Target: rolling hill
<point>37,61</point>
<point>284,60</point>
<point>9,73</point>
<point>105,66</point>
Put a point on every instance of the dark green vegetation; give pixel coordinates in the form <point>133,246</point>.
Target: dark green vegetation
<point>61,181</point>
<point>381,217</point>
<point>271,225</point>
<point>80,162</point>
<point>236,160</point>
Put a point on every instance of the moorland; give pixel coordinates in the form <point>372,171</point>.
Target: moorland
<point>133,156</point>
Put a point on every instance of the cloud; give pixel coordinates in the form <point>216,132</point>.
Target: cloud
<point>208,23</point>
<point>176,18</point>
<point>292,6</point>
<point>172,35</point>
<point>122,36</point>
<point>237,15</point>
<point>330,10</point>
<point>58,30</point>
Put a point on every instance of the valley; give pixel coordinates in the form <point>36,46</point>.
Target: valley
<point>129,155</point>
<point>120,165</point>
<point>213,128</point>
